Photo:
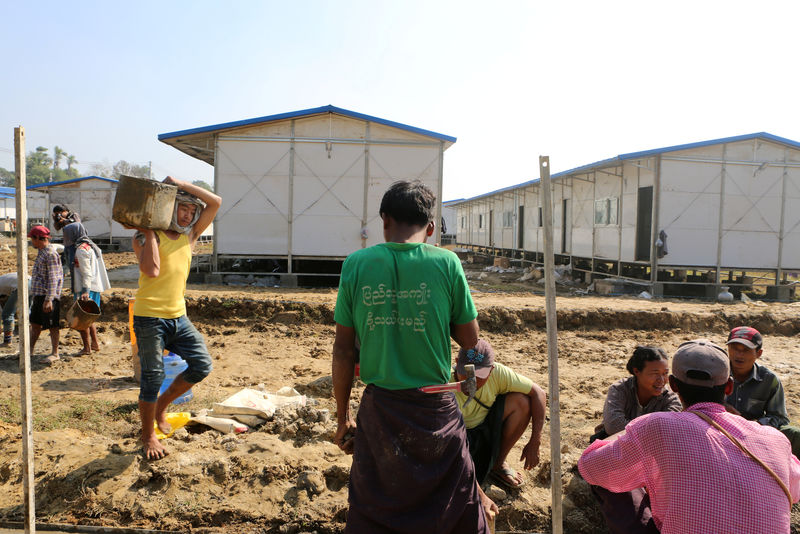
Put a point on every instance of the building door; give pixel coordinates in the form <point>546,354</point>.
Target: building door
<point>491,228</point>
<point>644,223</point>
<point>565,226</point>
<point>521,228</point>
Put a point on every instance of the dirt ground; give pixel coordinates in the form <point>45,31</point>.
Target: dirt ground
<point>286,476</point>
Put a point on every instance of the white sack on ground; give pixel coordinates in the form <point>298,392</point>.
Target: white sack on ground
<point>260,403</point>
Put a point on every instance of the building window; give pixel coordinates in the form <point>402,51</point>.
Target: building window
<point>480,221</point>
<point>541,219</point>
<point>463,223</point>
<point>508,219</point>
<point>605,211</point>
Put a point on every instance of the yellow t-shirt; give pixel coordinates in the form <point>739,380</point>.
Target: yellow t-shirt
<point>502,380</point>
<point>163,296</point>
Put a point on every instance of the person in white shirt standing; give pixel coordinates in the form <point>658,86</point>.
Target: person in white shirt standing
<point>91,280</point>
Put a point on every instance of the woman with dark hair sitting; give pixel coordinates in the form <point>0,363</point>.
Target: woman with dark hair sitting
<point>642,393</point>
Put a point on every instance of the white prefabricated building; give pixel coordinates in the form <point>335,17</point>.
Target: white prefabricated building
<point>720,205</point>
<point>307,185</point>
<point>8,207</point>
<point>92,197</point>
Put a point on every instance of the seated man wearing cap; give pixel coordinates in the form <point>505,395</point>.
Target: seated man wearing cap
<point>47,277</point>
<point>497,416</point>
<point>698,478</point>
<point>757,393</point>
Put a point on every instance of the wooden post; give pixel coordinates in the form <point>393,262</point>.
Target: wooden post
<point>552,347</point>
<point>26,406</point>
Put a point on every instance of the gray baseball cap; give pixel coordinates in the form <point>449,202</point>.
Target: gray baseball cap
<point>701,363</point>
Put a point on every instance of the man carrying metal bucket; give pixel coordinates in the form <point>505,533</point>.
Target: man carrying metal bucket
<point>160,320</point>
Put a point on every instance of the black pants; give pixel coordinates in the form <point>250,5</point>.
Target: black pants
<point>484,439</point>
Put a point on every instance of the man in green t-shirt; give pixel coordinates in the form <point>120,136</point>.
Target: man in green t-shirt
<point>403,300</point>
<point>499,414</point>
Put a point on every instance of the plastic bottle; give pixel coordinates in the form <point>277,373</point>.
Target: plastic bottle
<point>173,366</point>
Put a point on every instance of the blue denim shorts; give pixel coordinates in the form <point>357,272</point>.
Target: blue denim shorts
<point>153,335</point>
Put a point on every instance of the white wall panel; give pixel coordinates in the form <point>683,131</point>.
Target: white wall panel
<point>387,133</point>
<point>406,163</point>
<point>607,242</point>
<point>254,185</point>
<point>741,151</point>
<point>582,217</point>
<point>689,211</point>
<point>389,164</point>
<point>606,237</point>
<point>273,129</point>
<point>329,127</point>
<point>791,223</point>
<point>769,151</point>
<point>328,199</point>
<point>751,216</point>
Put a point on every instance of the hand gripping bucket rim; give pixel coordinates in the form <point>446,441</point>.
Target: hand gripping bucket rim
<point>82,314</point>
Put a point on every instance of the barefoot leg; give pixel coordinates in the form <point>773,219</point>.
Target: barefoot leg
<point>85,339</point>
<point>36,329</point>
<point>93,333</point>
<point>55,333</point>
<point>153,450</point>
<point>178,387</point>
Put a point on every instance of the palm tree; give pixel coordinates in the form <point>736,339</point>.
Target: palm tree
<point>71,160</point>
<point>57,155</point>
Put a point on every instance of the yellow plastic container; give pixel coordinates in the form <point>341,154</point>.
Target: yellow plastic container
<point>176,420</point>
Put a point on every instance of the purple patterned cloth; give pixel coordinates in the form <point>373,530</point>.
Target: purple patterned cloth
<point>412,472</point>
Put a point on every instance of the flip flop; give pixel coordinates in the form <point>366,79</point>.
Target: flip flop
<point>50,360</point>
<point>505,477</point>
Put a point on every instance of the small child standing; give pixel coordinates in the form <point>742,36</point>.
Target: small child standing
<point>757,392</point>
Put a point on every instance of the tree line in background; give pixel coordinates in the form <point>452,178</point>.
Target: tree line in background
<point>40,168</point>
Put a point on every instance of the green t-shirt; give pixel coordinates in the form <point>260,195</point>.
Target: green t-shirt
<point>401,299</point>
<point>502,380</point>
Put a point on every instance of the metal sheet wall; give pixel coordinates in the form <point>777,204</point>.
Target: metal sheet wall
<point>328,199</point>
<point>760,202</point>
<point>254,184</point>
<point>319,187</point>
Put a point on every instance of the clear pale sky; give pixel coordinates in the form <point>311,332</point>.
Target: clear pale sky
<point>578,81</point>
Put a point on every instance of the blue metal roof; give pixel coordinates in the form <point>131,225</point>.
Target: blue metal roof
<point>496,191</point>
<point>675,148</point>
<point>8,190</point>
<point>643,154</point>
<point>72,180</point>
<point>304,113</point>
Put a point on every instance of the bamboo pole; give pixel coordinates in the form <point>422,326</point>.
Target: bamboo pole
<point>552,348</point>
<point>26,405</point>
